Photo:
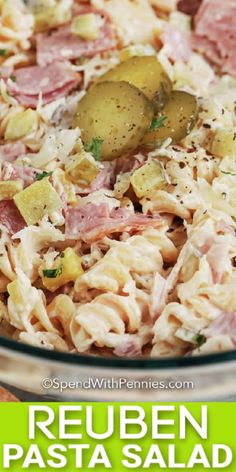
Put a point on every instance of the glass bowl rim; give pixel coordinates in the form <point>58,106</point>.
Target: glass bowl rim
<point>84,360</point>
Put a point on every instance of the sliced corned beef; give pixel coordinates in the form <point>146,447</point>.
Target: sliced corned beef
<point>61,44</point>
<point>51,81</point>
<point>10,217</point>
<point>10,152</point>
<point>215,33</point>
<point>91,222</point>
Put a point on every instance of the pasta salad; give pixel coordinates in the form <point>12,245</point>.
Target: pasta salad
<point>118,175</point>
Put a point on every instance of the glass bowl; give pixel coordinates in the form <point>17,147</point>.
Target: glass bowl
<point>74,377</point>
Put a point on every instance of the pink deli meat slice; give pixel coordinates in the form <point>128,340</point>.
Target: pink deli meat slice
<point>10,152</point>
<point>52,81</point>
<point>208,48</point>
<point>32,100</point>
<point>26,174</point>
<point>91,222</point>
<point>215,30</point>
<point>62,45</point>
<point>10,217</point>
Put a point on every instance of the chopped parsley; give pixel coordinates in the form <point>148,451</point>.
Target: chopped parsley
<point>42,175</point>
<point>227,173</point>
<point>13,78</point>
<point>199,339</point>
<point>95,148</point>
<point>158,123</point>
<point>52,273</point>
<point>3,52</point>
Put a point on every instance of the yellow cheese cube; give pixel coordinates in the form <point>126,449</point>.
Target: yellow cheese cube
<point>82,169</point>
<point>66,268</point>
<point>148,178</point>
<point>10,188</point>
<point>21,124</point>
<point>37,200</point>
<point>86,26</point>
<point>224,143</point>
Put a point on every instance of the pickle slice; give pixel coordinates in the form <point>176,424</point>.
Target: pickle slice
<point>176,120</point>
<point>115,113</point>
<point>147,74</point>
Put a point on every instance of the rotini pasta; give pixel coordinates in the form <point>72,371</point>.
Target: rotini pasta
<point>110,320</point>
<point>26,303</point>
